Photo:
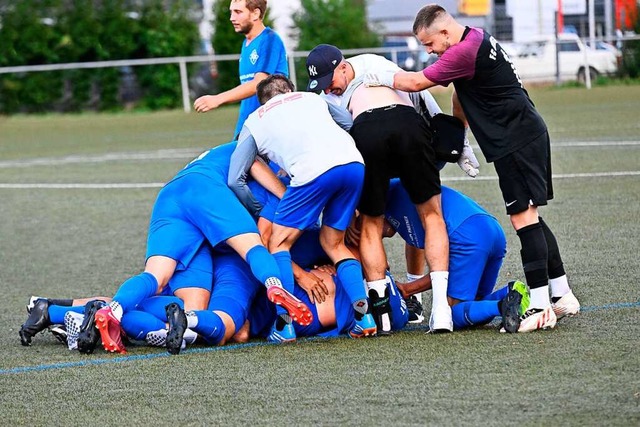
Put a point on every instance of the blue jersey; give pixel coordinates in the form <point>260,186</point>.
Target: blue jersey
<point>264,54</point>
<point>403,216</point>
<point>213,163</point>
<point>197,205</point>
<point>263,313</point>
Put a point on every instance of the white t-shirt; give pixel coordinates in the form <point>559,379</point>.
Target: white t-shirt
<point>370,63</point>
<point>296,131</point>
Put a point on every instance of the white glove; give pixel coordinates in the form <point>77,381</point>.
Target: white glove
<point>468,161</point>
<point>383,78</point>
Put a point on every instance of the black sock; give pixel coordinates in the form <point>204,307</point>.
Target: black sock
<point>555,265</point>
<point>534,255</point>
<point>61,302</point>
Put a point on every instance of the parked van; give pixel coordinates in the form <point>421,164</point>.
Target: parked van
<point>536,60</point>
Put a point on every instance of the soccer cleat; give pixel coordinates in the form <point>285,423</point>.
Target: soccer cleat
<point>298,310</point>
<point>177,326</point>
<point>32,303</point>
<point>73,323</point>
<point>415,309</point>
<point>510,311</point>
<point>381,311</point>
<point>522,289</point>
<point>110,331</point>
<point>568,305</point>
<point>284,335</point>
<point>440,319</point>
<point>59,332</point>
<point>37,321</point>
<point>88,335</point>
<point>365,327</point>
<point>537,318</point>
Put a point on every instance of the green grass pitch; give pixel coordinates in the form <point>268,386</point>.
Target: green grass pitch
<point>67,241</point>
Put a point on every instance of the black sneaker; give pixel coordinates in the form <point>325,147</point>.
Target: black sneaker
<point>415,309</point>
<point>177,326</point>
<point>89,335</point>
<point>510,311</point>
<point>381,311</point>
<point>37,321</point>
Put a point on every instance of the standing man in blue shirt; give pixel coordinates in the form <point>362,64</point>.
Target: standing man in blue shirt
<point>263,53</point>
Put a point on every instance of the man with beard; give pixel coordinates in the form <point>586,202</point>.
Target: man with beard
<point>263,53</point>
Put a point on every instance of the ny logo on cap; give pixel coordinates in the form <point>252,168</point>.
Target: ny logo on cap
<point>312,70</point>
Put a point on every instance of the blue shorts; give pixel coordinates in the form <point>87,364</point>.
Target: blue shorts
<point>234,287</point>
<point>190,210</point>
<point>476,251</point>
<point>307,251</point>
<point>335,193</point>
<point>197,274</point>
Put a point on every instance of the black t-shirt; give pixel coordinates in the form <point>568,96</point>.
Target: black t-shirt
<point>501,115</point>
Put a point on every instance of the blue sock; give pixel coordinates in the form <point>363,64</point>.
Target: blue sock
<point>209,327</point>
<point>497,295</point>
<point>56,312</point>
<point>136,289</point>
<point>470,313</point>
<point>156,305</point>
<point>349,272</point>
<point>262,263</point>
<point>283,258</point>
<point>137,324</point>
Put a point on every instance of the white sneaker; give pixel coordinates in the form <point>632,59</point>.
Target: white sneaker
<point>568,305</point>
<point>72,323</point>
<point>441,319</point>
<point>536,318</point>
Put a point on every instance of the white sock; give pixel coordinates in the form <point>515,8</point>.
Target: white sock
<point>439,285</point>
<point>559,286</point>
<point>116,309</point>
<point>540,297</point>
<point>190,336</point>
<point>192,319</point>
<point>413,278</point>
<point>378,285</point>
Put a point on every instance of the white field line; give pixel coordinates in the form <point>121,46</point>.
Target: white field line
<point>169,154</point>
<point>189,153</point>
<point>160,184</point>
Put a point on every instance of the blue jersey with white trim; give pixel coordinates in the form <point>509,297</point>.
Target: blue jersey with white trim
<point>264,54</point>
<point>403,215</point>
<point>213,163</point>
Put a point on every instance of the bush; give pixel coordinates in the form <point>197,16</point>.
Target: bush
<point>36,32</point>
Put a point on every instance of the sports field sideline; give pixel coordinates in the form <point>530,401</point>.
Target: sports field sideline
<point>75,197</point>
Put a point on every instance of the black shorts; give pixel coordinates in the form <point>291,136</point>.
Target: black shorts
<point>395,143</point>
<point>525,176</point>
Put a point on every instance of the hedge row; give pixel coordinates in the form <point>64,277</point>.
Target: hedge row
<point>35,32</point>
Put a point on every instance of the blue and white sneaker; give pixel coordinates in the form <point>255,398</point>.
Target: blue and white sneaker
<point>286,334</point>
<point>365,327</point>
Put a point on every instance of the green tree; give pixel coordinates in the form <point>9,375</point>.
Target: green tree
<point>225,41</point>
<point>166,32</point>
<point>342,23</point>
<point>631,55</point>
<point>28,36</point>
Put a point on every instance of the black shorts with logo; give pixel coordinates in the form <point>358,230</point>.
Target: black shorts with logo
<point>525,175</point>
<point>395,143</point>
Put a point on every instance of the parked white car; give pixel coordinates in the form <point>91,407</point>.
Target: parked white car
<point>536,60</point>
